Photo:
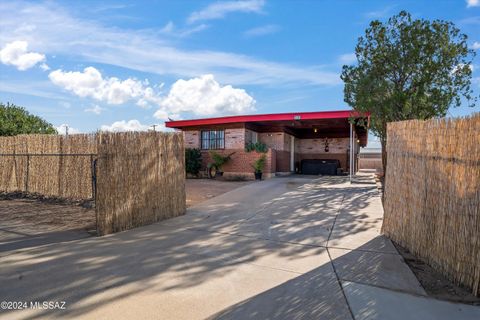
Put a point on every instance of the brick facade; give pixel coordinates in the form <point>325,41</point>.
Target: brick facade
<point>309,146</point>
<point>241,162</point>
<point>274,140</point>
<point>279,144</point>
<point>235,138</point>
<point>192,139</point>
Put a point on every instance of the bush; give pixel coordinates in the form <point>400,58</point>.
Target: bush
<point>257,146</point>
<point>193,161</point>
<point>259,164</point>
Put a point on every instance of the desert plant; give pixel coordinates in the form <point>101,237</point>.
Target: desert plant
<point>259,164</point>
<point>193,160</point>
<point>219,160</point>
<point>257,146</point>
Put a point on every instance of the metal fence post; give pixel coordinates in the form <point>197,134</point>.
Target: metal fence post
<point>93,163</point>
<point>27,173</point>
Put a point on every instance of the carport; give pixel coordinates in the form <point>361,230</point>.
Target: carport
<point>325,142</point>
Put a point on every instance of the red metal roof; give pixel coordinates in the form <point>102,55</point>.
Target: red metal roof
<point>342,114</point>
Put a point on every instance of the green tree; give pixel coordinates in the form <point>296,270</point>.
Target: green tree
<point>16,120</point>
<point>408,69</point>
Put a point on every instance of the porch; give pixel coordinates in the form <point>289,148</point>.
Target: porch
<point>291,138</point>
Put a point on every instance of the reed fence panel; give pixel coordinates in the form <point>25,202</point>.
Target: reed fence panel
<point>140,179</point>
<point>432,194</point>
<point>51,165</point>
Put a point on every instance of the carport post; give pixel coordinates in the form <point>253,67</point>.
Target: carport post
<point>351,151</point>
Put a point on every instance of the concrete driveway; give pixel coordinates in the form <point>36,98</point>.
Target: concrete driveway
<point>285,248</point>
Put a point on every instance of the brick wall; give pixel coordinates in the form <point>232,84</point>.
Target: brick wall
<point>274,140</point>
<point>281,142</point>
<point>241,162</point>
<point>283,161</point>
<point>191,138</point>
<point>335,145</point>
<point>235,138</point>
<point>287,142</point>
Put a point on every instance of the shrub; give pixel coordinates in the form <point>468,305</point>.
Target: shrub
<point>257,146</point>
<point>193,161</point>
<point>259,164</point>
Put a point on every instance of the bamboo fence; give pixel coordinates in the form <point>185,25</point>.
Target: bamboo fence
<point>432,194</point>
<point>50,165</point>
<point>140,179</point>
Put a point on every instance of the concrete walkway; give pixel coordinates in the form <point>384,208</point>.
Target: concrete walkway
<point>285,248</point>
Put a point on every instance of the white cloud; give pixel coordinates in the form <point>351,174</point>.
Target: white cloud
<point>205,96</point>
<point>90,83</point>
<point>219,10</point>
<point>121,126</point>
<point>347,58</point>
<point>54,31</point>
<point>95,109</point>
<point>62,129</point>
<point>171,30</point>
<point>261,31</point>
<point>164,115</point>
<point>473,3</point>
<point>44,67</point>
<point>381,13</point>
<point>476,45</point>
<point>16,53</point>
<point>65,104</point>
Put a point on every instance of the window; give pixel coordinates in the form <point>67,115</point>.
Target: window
<point>213,139</point>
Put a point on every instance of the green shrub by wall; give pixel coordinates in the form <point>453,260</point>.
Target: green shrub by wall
<point>193,161</point>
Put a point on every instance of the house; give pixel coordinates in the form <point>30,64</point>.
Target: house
<point>302,142</point>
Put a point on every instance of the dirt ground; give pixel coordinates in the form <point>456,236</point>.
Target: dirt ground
<point>434,283</point>
<point>199,190</point>
<point>29,222</point>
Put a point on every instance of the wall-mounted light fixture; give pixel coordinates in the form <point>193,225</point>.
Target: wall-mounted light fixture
<point>315,130</point>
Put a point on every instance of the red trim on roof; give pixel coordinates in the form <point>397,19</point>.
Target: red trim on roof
<point>343,114</point>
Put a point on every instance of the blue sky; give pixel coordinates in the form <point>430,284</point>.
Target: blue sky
<point>130,64</point>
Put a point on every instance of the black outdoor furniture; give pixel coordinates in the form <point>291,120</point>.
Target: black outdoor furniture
<point>320,166</point>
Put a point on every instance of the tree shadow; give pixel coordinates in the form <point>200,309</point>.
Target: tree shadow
<point>281,225</point>
<point>319,294</point>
